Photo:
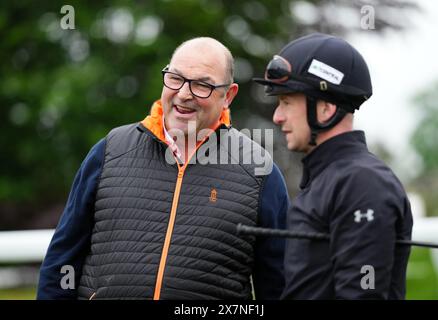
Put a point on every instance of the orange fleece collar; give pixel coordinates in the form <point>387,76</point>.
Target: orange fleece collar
<point>154,121</point>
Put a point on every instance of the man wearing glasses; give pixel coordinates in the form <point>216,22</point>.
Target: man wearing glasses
<point>346,192</point>
<point>138,225</point>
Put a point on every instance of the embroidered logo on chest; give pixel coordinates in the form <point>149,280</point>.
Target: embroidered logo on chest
<point>369,215</point>
<point>213,195</point>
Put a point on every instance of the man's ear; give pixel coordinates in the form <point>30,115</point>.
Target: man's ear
<point>325,111</point>
<point>231,93</point>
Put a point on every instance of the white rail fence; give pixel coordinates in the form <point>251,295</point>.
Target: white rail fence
<point>30,246</point>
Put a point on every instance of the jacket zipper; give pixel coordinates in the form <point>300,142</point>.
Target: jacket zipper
<point>166,245</point>
<point>165,251</point>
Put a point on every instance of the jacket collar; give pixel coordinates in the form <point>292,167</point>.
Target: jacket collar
<point>154,121</point>
<point>336,148</point>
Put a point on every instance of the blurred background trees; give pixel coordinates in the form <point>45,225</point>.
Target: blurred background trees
<point>425,143</point>
<point>63,90</point>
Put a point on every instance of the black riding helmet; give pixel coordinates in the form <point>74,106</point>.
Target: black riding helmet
<point>322,67</point>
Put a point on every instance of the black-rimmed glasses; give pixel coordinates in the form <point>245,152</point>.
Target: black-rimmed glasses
<point>198,88</point>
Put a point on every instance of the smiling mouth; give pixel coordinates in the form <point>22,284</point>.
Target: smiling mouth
<point>183,110</point>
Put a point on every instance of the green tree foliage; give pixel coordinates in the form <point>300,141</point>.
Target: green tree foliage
<point>63,90</point>
<point>425,142</point>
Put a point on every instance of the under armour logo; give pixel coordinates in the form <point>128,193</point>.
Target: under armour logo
<point>213,195</point>
<point>369,215</point>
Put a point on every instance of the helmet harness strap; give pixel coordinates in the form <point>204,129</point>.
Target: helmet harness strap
<point>312,119</point>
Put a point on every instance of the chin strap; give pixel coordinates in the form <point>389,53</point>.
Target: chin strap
<point>312,119</point>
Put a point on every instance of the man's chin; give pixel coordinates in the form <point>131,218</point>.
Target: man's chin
<point>180,130</point>
<point>291,146</point>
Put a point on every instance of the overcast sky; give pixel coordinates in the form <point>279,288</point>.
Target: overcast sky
<point>402,64</point>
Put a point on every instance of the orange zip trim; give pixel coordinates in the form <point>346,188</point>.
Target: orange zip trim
<point>168,234</point>
<point>162,266</point>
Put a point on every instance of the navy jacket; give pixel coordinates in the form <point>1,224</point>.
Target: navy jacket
<point>71,240</point>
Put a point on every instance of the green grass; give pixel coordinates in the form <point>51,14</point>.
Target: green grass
<point>27,293</point>
<point>422,280</point>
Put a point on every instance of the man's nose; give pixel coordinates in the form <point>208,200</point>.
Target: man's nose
<point>184,92</point>
<point>278,117</point>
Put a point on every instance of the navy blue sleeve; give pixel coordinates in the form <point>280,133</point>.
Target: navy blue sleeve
<point>71,242</point>
<point>268,276</point>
